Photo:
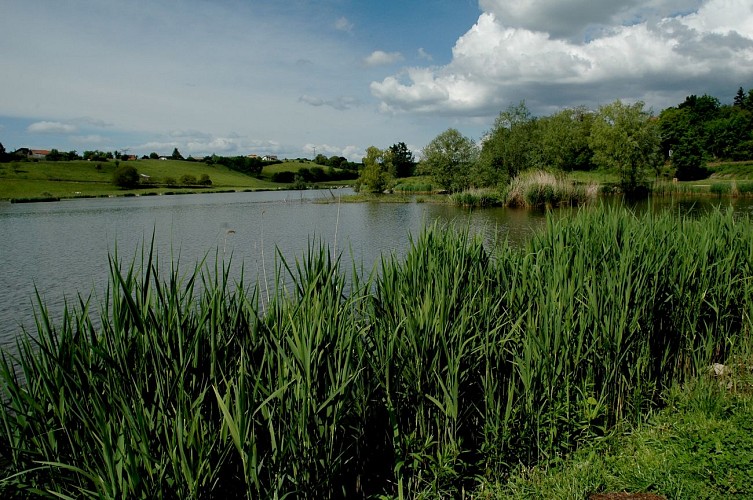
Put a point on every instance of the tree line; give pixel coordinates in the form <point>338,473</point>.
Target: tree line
<point>626,138</point>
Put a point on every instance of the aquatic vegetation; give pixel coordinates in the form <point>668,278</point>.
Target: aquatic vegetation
<point>449,366</point>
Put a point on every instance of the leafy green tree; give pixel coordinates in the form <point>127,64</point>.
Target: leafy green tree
<point>4,156</point>
<point>688,159</point>
<point>511,146</point>
<point>54,155</point>
<point>449,158</point>
<point>126,177</point>
<point>153,155</point>
<point>204,180</point>
<point>402,159</point>
<point>176,155</point>
<point>563,139</point>
<point>625,137</point>
<point>375,176</point>
<point>320,159</point>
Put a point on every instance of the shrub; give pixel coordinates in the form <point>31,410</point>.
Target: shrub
<point>188,180</point>
<point>125,176</point>
<point>285,176</point>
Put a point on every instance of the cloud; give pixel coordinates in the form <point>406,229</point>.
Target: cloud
<point>341,103</point>
<point>495,64</point>
<point>572,18</point>
<point>86,140</point>
<point>342,24</point>
<point>352,153</point>
<point>45,127</point>
<point>422,54</point>
<point>381,58</point>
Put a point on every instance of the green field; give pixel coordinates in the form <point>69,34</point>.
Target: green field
<point>70,179</point>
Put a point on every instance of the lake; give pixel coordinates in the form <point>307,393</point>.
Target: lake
<point>62,249</point>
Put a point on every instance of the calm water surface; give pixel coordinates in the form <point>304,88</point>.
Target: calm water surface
<point>61,249</point>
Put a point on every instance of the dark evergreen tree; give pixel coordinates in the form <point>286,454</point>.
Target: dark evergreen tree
<point>402,160</point>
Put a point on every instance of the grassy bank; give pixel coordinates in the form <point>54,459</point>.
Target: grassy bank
<point>454,367</point>
<point>72,179</point>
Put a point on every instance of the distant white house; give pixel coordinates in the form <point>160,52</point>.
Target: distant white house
<point>269,158</point>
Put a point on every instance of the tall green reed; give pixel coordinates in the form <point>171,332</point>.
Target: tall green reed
<point>450,364</point>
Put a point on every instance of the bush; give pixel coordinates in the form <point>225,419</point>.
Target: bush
<point>126,177</point>
<point>188,180</point>
<point>285,176</point>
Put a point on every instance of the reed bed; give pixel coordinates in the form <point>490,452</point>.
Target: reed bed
<point>447,368</point>
<point>477,198</point>
<point>539,188</point>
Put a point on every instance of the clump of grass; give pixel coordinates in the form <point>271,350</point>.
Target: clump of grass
<point>721,188</point>
<point>541,189</point>
<point>450,365</point>
<point>745,188</point>
<point>477,198</point>
<point>664,188</point>
<point>413,188</point>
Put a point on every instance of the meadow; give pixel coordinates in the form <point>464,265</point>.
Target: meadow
<point>444,374</point>
<point>71,179</point>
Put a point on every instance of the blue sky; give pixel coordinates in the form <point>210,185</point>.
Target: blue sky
<point>284,77</point>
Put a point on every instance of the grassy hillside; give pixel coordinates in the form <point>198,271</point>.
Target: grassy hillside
<point>88,178</point>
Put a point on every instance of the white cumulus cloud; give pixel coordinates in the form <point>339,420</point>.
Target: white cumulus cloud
<point>381,58</point>
<point>505,58</point>
<point>45,127</point>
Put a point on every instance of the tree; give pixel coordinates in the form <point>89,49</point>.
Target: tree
<point>54,155</point>
<point>688,159</point>
<point>625,137</point>
<point>153,156</point>
<point>510,147</point>
<point>402,160</point>
<point>449,159</point>
<point>375,176</point>
<point>320,159</point>
<point>739,100</point>
<point>563,139</point>
<point>4,156</point>
<point>176,155</point>
<point>125,177</point>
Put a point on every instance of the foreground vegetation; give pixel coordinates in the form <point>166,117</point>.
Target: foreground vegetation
<point>699,446</point>
<point>326,382</point>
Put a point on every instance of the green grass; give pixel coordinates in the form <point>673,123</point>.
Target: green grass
<point>451,368</point>
<point>537,188</point>
<point>699,446</point>
<point>732,170</point>
<point>82,178</point>
<point>287,166</point>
